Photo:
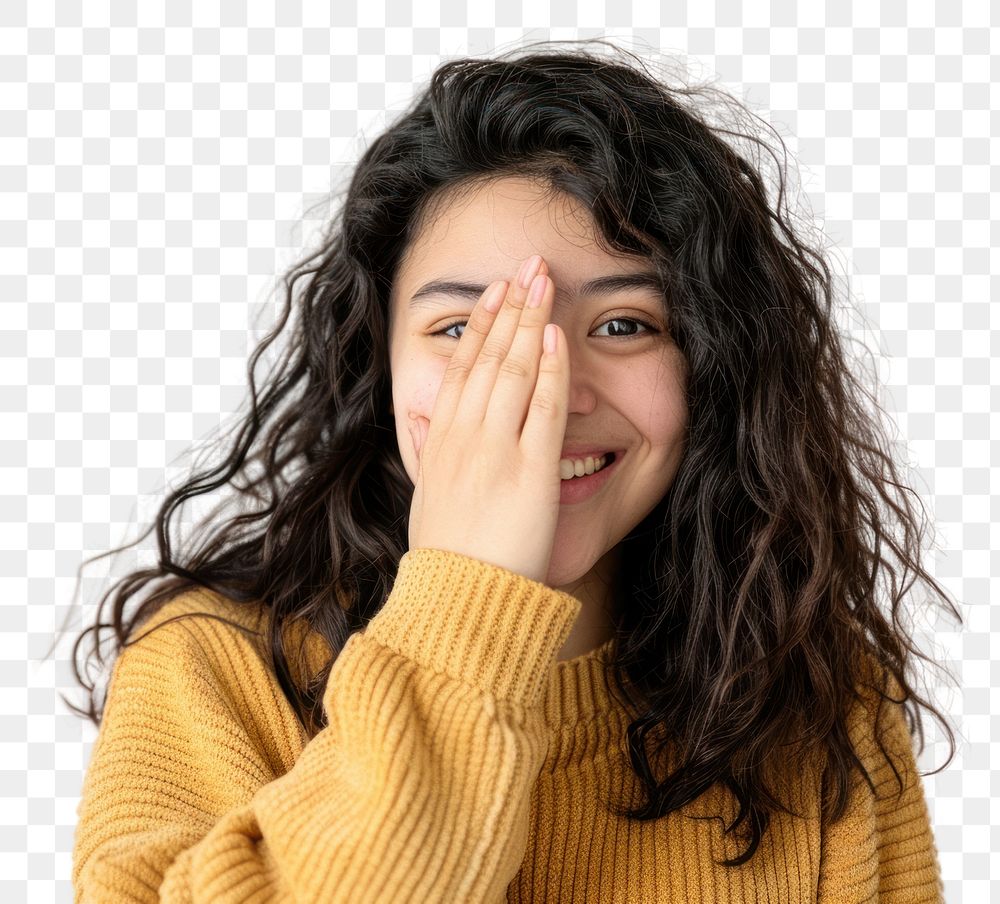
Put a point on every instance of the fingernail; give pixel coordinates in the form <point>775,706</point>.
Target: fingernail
<point>537,291</point>
<point>528,270</point>
<point>495,297</point>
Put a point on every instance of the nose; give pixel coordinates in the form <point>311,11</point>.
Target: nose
<point>582,385</point>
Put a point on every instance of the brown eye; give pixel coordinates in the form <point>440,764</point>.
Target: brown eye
<point>627,332</point>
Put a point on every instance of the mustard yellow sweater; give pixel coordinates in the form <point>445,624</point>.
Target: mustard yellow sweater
<point>462,762</point>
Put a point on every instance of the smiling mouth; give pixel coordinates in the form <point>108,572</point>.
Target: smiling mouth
<point>600,462</point>
<point>575,490</point>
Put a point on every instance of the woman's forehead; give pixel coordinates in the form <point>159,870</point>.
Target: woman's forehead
<point>497,225</point>
<point>507,199</point>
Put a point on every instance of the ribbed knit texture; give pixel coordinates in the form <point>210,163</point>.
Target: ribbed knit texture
<point>462,762</point>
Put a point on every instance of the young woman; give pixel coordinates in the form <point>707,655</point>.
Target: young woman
<point>563,537</point>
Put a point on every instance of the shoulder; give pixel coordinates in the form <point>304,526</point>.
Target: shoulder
<point>192,639</point>
<point>200,609</point>
<point>879,724</point>
<point>199,603</point>
<point>880,696</point>
<point>195,677</point>
<point>213,634</point>
<point>876,832</point>
<point>196,625</point>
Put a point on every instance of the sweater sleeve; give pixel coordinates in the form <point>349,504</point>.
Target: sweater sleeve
<point>883,848</point>
<point>418,788</point>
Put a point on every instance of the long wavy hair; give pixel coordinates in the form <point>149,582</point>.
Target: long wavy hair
<point>754,586</point>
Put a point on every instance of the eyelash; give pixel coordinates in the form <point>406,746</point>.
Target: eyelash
<point>652,330</point>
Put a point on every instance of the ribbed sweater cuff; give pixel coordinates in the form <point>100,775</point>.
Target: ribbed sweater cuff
<point>479,623</point>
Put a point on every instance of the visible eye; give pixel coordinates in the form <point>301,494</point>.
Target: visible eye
<point>446,329</point>
<point>619,334</point>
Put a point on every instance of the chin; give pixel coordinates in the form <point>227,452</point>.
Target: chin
<point>565,570</point>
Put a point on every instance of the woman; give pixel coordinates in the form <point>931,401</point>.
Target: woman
<point>563,530</point>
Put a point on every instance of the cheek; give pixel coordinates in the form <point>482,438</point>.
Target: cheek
<point>414,389</point>
<point>416,379</point>
<point>657,403</point>
<point>667,416</point>
<point>419,397</point>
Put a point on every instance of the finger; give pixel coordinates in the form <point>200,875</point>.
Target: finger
<point>545,425</point>
<point>479,387</point>
<point>515,382</point>
<point>461,363</point>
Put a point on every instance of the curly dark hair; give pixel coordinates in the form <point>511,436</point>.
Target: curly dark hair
<point>753,585</point>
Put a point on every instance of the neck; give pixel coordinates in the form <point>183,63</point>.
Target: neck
<point>596,591</point>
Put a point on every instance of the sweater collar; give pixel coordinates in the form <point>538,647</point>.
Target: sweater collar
<point>580,689</point>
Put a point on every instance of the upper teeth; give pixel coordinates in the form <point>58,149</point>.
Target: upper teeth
<point>578,467</point>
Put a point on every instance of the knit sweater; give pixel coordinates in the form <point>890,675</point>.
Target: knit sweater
<point>461,762</point>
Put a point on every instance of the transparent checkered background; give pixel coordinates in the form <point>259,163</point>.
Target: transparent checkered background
<point>159,171</point>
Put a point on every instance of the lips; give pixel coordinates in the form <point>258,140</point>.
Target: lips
<point>579,489</point>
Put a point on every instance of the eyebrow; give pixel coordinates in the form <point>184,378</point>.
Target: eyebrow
<point>602,285</point>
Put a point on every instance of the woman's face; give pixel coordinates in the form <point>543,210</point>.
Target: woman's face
<point>627,382</point>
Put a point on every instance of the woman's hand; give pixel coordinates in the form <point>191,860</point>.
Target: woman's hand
<point>488,461</point>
